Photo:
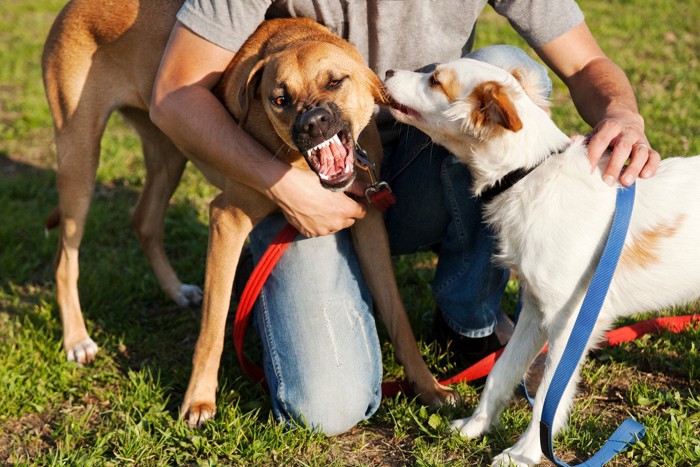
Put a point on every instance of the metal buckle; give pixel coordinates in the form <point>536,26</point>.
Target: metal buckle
<point>362,162</point>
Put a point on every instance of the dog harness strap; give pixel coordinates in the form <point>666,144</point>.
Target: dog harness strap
<point>630,431</point>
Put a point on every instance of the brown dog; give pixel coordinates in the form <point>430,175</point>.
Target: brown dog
<point>103,55</point>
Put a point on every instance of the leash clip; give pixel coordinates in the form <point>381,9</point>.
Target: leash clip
<point>362,162</point>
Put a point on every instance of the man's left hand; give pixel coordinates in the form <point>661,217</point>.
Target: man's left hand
<point>624,135</point>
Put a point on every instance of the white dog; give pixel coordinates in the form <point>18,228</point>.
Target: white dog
<point>552,223</point>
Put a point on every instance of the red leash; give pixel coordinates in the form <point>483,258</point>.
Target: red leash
<point>250,294</point>
<point>379,194</point>
<point>674,324</point>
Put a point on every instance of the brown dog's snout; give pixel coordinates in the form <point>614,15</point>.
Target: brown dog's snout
<point>315,122</point>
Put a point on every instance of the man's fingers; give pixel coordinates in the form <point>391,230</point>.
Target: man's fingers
<point>620,153</point>
<point>627,144</point>
<point>652,164</point>
<point>316,225</point>
<point>600,140</point>
<point>360,210</point>
<point>638,159</point>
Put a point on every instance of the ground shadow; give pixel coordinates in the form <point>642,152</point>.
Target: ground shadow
<point>127,313</point>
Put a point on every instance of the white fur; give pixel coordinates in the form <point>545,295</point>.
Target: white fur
<point>551,227</point>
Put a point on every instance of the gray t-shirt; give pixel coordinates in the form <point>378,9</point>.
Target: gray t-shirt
<point>404,34</point>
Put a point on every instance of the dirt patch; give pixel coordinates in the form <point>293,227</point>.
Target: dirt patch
<point>33,436</point>
<point>375,446</point>
<point>26,438</point>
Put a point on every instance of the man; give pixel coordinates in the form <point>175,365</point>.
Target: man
<point>321,352</point>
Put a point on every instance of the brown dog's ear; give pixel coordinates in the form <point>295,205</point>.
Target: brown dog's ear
<point>494,106</point>
<point>247,92</point>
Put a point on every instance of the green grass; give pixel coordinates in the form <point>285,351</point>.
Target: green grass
<point>123,409</point>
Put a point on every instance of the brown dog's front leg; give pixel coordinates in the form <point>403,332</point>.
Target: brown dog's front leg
<point>372,246</point>
<point>228,229</point>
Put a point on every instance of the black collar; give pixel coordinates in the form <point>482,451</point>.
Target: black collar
<point>511,178</point>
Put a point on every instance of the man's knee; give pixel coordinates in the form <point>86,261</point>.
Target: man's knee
<point>331,407</point>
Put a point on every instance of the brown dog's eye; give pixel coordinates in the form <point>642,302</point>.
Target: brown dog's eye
<point>334,83</point>
<point>279,101</point>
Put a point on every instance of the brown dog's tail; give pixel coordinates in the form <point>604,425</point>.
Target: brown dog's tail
<point>52,220</point>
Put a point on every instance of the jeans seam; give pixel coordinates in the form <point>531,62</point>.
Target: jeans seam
<point>272,350</point>
<point>459,227</point>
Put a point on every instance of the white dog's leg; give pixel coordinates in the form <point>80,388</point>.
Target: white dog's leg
<point>527,451</point>
<point>527,341</point>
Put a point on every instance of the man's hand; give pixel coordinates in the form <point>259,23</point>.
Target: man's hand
<point>624,135</point>
<point>312,209</point>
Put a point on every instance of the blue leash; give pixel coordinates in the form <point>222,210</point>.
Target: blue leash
<point>630,431</point>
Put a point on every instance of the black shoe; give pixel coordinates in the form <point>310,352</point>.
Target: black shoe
<point>244,269</point>
<point>465,350</point>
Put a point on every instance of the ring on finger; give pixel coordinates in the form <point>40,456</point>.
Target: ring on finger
<point>641,144</point>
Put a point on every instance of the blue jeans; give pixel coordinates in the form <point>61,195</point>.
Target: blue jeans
<point>322,356</point>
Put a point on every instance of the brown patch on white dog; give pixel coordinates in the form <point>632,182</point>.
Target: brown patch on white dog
<point>644,250</point>
<point>446,81</point>
<point>492,105</point>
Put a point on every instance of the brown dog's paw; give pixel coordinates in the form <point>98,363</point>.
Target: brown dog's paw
<point>188,296</point>
<point>438,395</point>
<point>197,414</point>
<point>83,352</point>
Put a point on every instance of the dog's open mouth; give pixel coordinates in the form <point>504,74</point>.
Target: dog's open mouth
<point>403,110</point>
<point>333,160</point>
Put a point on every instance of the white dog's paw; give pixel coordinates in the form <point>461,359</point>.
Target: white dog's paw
<point>189,295</point>
<point>83,352</point>
<point>509,458</point>
<point>471,427</point>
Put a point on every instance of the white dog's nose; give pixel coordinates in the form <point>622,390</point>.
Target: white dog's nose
<point>389,74</point>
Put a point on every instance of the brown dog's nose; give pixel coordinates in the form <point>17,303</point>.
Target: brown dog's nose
<point>389,74</point>
<point>315,122</point>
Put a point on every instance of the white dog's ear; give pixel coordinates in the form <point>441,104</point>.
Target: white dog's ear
<point>531,85</point>
<point>490,106</point>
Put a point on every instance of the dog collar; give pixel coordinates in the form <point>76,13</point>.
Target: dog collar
<point>513,177</point>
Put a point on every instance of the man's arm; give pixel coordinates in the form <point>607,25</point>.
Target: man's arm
<point>185,109</point>
<point>604,98</point>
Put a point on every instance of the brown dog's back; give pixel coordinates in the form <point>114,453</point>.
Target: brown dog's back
<point>91,39</point>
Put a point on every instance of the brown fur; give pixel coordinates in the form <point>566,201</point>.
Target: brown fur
<point>644,250</point>
<point>448,84</point>
<point>493,105</point>
<point>103,55</point>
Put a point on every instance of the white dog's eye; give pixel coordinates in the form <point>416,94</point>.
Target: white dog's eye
<point>433,80</point>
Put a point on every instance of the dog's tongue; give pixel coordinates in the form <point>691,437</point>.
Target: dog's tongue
<point>332,158</point>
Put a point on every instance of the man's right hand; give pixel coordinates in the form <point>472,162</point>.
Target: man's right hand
<point>311,208</point>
